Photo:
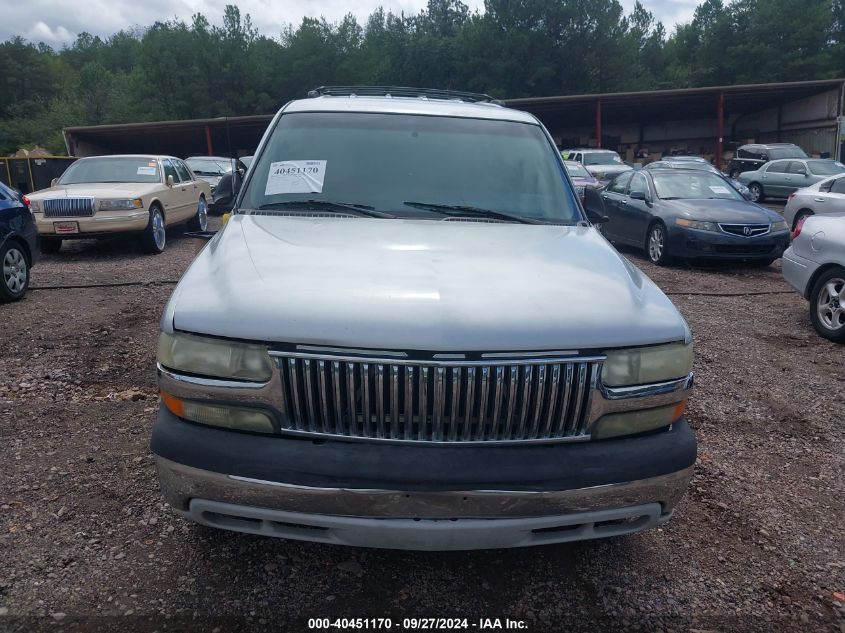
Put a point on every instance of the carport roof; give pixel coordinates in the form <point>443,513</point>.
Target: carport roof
<point>669,105</point>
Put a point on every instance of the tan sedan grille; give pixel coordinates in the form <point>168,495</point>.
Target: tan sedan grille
<point>68,207</point>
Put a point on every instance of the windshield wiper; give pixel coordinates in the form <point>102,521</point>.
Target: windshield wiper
<point>456,210</point>
<point>327,205</point>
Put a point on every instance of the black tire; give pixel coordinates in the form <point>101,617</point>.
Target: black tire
<point>803,213</point>
<point>757,193</point>
<point>200,220</point>
<point>734,173</point>
<point>824,318</point>
<point>51,245</point>
<point>657,252</point>
<point>154,238</point>
<point>14,271</point>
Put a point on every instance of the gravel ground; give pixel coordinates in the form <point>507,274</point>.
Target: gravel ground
<point>86,541</point>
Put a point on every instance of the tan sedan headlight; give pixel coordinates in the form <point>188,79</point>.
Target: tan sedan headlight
<point>645,365</point>
<point>214,358</point>
<point>121,204</point>
<point>35,206</point>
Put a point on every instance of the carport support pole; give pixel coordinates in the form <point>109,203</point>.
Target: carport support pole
<point>720,146</point>
<point>208,141</point>
<point>598,122</point>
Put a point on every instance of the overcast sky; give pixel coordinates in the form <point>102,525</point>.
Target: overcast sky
<point>57,22</point>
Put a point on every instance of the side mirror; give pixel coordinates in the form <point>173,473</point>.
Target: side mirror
<point>170,180</point>
<point>596,218</point>
<point>637,195</point>
<point>54,182</point>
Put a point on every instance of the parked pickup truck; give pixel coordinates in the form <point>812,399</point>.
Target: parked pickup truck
<point>408,335</point>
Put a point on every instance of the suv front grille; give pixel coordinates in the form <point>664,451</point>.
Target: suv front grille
<point>68,207</point>
<point>745,230</point>
<point>432,401</point>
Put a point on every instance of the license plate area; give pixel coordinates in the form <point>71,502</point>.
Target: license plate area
<point>66,228</point>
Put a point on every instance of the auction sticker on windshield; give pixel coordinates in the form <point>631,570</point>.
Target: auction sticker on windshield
<point>147,171</point>
<point>719,189</point>
<point>296,176</point>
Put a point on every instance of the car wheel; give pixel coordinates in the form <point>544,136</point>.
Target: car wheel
<point>802,214</point>
<point>735,173</point>
<point>155,236</point>
<point>827,304</point>
<point>756,190</point>
<point>657,245</point>
<point>200,221</point>
<point>51,245</point>
<point>15,279</point>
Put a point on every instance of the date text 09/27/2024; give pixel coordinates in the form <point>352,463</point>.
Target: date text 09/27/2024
<point>408,624</point>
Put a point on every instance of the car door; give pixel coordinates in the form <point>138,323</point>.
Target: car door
<point>774,178</point>
<point>634,214</point>
<point>796,176</point>
<point>190,186</point>
<point>175,198</point>
<point>611,197</point>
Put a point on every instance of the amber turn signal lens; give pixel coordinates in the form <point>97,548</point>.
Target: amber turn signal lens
<point>679,410</point>
<point>173,404</point>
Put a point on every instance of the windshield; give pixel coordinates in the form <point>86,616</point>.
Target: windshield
<point>692,185</point>
<point>111,169</point>
<point>576,170</point>
<point>825,167</point>
<point>385,160</point>
<point>602,158</point>
<point>786,152</point>
<point>208,167</point>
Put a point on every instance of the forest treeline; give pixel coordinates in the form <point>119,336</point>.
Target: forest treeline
<point>513,48</point>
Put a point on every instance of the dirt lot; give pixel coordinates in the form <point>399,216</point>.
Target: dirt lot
<point>86,541</point>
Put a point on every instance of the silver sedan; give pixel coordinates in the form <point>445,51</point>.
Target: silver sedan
<point>827,196</point>
<point>815,266</point>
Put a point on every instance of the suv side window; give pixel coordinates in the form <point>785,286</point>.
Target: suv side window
<point>184,174</point>
<point>620,183</point>
<point>778,167</point>
<point>838,186</point>
<point>743,153</point>
<point>169,170</point>
<point>639,183</point>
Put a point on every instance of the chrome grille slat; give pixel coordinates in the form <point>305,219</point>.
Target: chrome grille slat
<point>68,207</point>
<point>457,401</point>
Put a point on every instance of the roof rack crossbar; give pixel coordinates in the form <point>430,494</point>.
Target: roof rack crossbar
<point>401,91</point>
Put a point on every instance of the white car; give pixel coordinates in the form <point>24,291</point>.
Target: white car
<point>815,266</point>
<point>826,196</point>
<point>107,195</point>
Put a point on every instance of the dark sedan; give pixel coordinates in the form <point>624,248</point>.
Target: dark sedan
<point>676,213</point>
<point>18,243</point>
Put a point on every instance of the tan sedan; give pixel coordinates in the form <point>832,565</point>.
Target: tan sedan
<point>107,195</point>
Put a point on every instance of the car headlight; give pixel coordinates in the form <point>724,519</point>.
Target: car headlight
<point>634,422</point>
<point>238,418</point>
<point>214,358</point>
<point>696,224</point>
<point>780,225</point>
<point>645,365</point>
<point>35,206</point>
<point>121,204</point>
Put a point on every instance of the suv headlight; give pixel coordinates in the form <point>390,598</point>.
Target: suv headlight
<point>696,224</point>
<point>214,358</point>
<point>121,204</point>
<point>644,365</point>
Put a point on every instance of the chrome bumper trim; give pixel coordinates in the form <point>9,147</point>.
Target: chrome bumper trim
<point>180,484</point>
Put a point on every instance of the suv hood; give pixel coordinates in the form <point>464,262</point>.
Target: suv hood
<point>419,285</point>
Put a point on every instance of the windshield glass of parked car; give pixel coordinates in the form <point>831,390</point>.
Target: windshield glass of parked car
<point>693,185</point>
<point>786,152</point>
<point>207,167</point>
<point>577,170</point>
<point>825,167</point>
<point>385,160</point>
<point>603,158</point>
<point>110,169</point>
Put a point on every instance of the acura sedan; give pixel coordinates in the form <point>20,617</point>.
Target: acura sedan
<point>679,213</point>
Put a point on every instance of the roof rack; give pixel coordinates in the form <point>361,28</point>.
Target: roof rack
<point>401,91</point>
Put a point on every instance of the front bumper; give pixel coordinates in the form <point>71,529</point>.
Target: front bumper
<point>102,222</point>
<point>421,497</point>
<point>695,244</point>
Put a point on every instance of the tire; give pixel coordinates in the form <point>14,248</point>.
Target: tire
<point>803,213</point>
<point>656,244</point>
<point>155,236</point>
<point>200,221</point>
<point>14,274</point>
<point>827,304</point>
<point>757,193</point>
<point>734,173</point>
<point>51,245</point>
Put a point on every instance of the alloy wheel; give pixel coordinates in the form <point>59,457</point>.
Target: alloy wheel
<point>656,244</point>
<point>202,214</point>
<point>830,306</point>
<point>159,234</point>
<point>14,271</point>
